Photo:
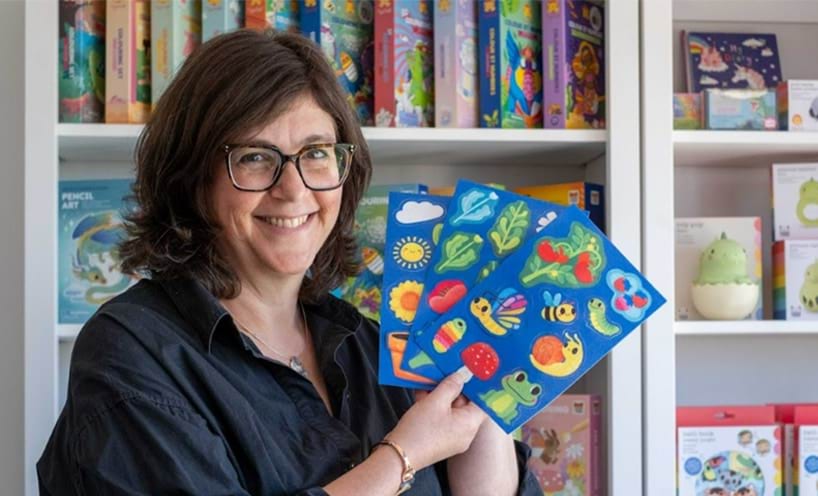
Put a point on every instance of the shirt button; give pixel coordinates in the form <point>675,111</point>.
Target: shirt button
<point>351,465</point>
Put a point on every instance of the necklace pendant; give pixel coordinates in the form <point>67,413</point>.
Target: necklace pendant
<point>297,366</point>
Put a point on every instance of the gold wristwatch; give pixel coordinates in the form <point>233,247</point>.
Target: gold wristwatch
<point>408,475</point>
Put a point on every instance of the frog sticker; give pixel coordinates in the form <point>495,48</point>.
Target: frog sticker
<point>516,390</point>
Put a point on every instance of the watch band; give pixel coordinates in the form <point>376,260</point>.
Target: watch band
<point>408,475</point>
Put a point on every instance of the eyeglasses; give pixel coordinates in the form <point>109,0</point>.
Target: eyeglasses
<point>322,167</point>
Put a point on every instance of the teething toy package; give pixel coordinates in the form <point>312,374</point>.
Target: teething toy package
<point>564,440</point>
<point>729,450</point>
<point>806,451</point>
<point>795,276</point>
<point>718,268</point>
<point>795,201</point>
<point>798,105</point>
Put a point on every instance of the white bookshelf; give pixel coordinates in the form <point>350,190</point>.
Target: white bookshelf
<point>433,156</point>
<point>714,173</point>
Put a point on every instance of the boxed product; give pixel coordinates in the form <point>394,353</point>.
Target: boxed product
<point>731,60</point>
<point>510,47</point>
<point>740,109</point>
<point>176,30</point>
<point>81,60</point>
<point>574,64</point>
<point>805,475</point>
<point>729,450</point>
<point>564,440</point>
<point>404,77</point>
<point>785,416</point>
<point>128,50</point>
<point>798,105</point>
<point>281,15</point>
<point>795,280</point>
<point>345,36</point>
<point>687,111</point>
<point>455,64</point>
<point>795,201</point>
<point>221,16</point>
<point>587,196</point>
<point>718,268</point>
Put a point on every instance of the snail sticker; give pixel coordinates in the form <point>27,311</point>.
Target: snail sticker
<point>556,357</point>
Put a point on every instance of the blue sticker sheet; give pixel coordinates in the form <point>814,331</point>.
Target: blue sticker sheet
<point>414,221</point>
<point>484,225</point>
<point>552,310</point>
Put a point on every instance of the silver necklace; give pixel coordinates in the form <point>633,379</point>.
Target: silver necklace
<point>292,361</point>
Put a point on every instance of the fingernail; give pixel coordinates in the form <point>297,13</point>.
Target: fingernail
<point>464,374</point>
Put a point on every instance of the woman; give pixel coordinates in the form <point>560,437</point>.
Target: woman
<point>231,370</point>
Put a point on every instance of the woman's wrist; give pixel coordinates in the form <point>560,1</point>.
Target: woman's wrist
<point>407,469</point>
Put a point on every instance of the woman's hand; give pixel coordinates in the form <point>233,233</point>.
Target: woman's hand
<point>439,425</point>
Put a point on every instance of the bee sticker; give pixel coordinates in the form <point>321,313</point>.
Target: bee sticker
<point>501,315</point>
<point>557,310</point>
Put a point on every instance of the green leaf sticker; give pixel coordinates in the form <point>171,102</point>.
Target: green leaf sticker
<point>460,251</point>
<point>509,229</point>
<point>487,270</point>
<point>436,233</point>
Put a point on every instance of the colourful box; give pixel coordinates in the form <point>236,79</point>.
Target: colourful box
<point>510,44</point>
<point>693,235</point>
<point>687,111</point>
<point>795,280</point>
<point>798,105</point>
<point>344,30</point>
<point>176,30</point>
<point>805,474</point>
<point>455,37</point>
<point>82,60</point>
<point>729,450</point>
<point>280,15</point>
<point>740,109</point>
<point>221,16</point>
<point>587,196</point>
<point>90,228</point>
<point>564,440</point>
<point>795,201</point>
<point>128,80</point>
<point>574,64</point>
<point>404,76</point>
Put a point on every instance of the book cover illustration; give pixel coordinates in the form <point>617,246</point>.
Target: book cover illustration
<point>510,44</point>
<point>176,30</point>
<point>221,16</point>
<point>344,30</point>
<point>90,227</point>
<point>128,45</point>
<point>484,225</point>
<point>404,77</point>
<point>455,65</point>
<point>82,60</point>
<point>282,15</point>
<point>364,290</point>
<point>551,310</point>
<point>731,60</point>
<point>414,222</point>
<point>574,64</point>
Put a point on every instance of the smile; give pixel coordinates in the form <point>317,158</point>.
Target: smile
<point>285,222</point>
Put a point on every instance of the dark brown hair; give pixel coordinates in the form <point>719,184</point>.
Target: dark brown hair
<point>229,87</point>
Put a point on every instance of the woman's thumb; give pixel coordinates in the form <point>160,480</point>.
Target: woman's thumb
<point>450,387</point>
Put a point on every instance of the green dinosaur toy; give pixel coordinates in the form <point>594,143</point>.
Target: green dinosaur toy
<point>809,290</point>
<point>724,261</point>
<point>807,195</point>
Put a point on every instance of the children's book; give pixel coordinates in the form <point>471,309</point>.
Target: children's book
<point>415,221</point>
<point>404,77</point>
<point>128,45</point>
<point>281,15</point>
<point>510,47</point>
<point>221,16</point>
<point>90,228</point>
<point>344,30</point>
<point>176,30</point>
<point>731,60</point>
<point>550,311</point>
<point>82,60</point>
<point>484,225</point>
<point>455,38</point>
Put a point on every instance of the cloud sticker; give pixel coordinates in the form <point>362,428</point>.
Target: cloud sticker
<point>754,43</point>
<point>767,52</point>
<point>630,300</point>
<point>708,81</point>
<point>413,212</point>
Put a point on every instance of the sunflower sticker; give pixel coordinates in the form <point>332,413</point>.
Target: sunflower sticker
<point>404,299</point>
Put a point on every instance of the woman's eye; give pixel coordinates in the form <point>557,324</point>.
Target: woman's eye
<point>253,158</point>
<point>316,154</point>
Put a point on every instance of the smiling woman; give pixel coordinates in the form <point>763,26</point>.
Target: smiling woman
<point>230,369</point>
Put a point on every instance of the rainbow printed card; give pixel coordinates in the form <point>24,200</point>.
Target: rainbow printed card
<point>484,226</point>
<point>415,221</point>
<point>555,307</point>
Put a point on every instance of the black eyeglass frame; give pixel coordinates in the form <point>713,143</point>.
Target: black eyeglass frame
<point>294,158</point>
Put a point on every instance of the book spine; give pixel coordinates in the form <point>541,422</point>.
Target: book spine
<point>255,15</point>
<point>445,83</point>
<point>309,16</point>
<point>140,71</point>
<point>595,204</point>
<point>161,22</point>
<point>489,50</point>
<point>596,447</point>
<point>187,33</point>
<point>214,13</point>
<point>118,40</point>
<point>82,61</point>
<point>465,63</point>
<point>285,16</point>
<point>554,64</point>
<point>385,64</point>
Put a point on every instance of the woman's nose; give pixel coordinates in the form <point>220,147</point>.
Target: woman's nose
<point>289,185</point>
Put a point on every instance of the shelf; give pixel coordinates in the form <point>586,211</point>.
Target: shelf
<point>423,146</point>
<point>746,11</point>
<point>769,328</point>
<point>742,148</point>
<point>68,332</point>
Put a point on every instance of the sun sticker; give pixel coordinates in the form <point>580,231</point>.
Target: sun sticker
<point>412,252</point>
<point>404,299</point>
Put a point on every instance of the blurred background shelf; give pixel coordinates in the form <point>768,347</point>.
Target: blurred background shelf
<point>759,328</point>
<point>742,148</point>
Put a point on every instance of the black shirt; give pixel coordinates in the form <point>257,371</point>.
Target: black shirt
<point>165,396</point>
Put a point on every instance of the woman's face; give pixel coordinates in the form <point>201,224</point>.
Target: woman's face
<point>280,230</point>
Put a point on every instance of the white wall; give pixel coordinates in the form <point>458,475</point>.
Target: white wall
<point>11,245</point>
